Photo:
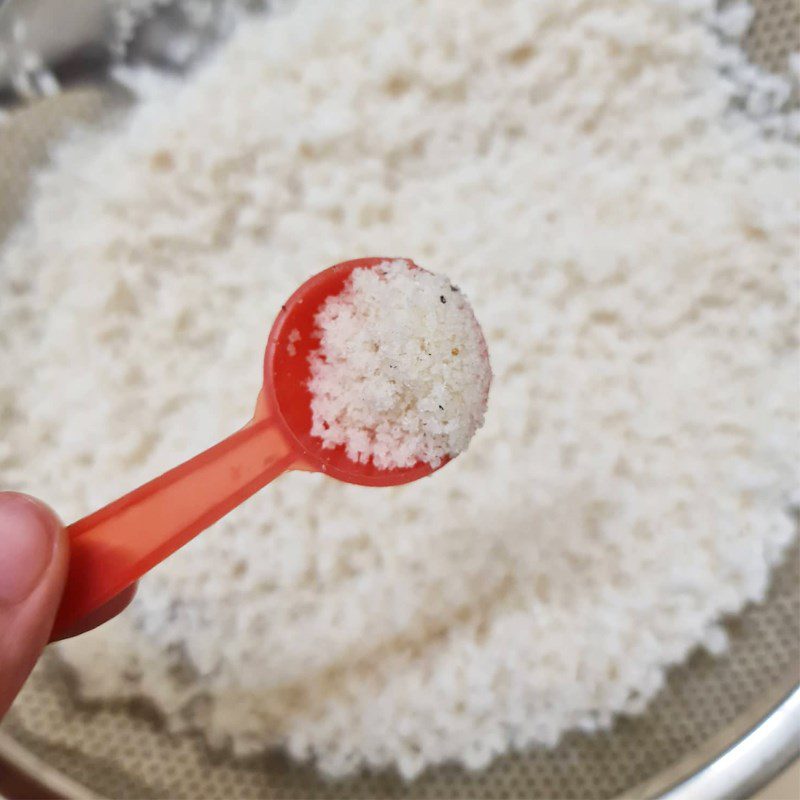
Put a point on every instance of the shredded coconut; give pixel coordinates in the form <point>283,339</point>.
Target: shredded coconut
<point>627,231</point>
<point>401,374</point>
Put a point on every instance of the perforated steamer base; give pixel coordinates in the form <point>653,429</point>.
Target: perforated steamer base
<point>121,750</point>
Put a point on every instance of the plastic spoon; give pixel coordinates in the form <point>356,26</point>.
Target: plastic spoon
<point>113,547</point>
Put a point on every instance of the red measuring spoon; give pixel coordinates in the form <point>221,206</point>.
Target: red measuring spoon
<point>113,547</point>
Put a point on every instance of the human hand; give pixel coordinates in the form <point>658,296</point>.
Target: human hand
<point>34,552</point>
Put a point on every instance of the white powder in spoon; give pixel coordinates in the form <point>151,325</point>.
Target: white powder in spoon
<point>402,373</point>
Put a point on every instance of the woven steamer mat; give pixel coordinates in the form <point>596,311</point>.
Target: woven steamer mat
<point>121,750</point>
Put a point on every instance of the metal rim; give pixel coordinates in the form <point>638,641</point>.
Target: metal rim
<point>30,776</point>
<point>743,758</point>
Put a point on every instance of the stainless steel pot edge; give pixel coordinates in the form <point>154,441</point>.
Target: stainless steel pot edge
<point>739,761</point>
<point>38,778</point>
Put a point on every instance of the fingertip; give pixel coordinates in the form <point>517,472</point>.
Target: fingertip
<point>33,569</point>
<point>31,538</point>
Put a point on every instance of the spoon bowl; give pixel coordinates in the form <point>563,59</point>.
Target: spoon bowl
<point>287,370</point>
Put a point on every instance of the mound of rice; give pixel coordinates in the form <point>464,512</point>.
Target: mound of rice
<point>613,186</point>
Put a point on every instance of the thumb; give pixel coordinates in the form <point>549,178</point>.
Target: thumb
<point>33,568</point>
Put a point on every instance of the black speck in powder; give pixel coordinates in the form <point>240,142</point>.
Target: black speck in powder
<point>441,297</point>
<point>441,407</point>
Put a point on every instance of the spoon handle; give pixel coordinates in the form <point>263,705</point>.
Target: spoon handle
<point>113,547</point>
